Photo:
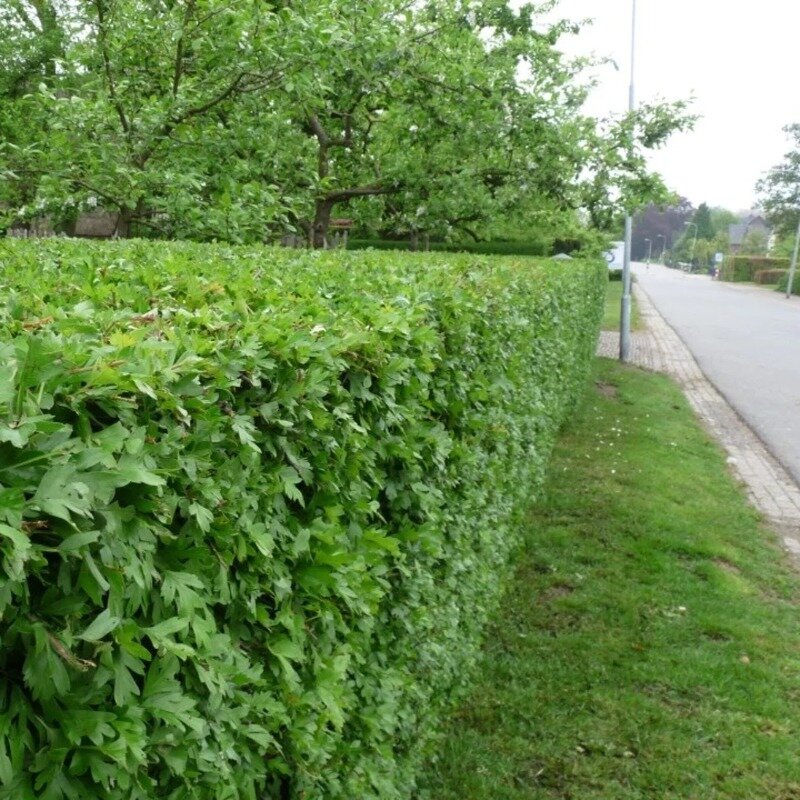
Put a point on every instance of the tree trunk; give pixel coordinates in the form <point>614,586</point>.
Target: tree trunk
<point>122,230</point>
<point>322,219</point>
<point>126,218</point>
<point>414,243</point>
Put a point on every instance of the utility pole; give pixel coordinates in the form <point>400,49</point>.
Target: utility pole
<point>793,268</point>
<point>649,251</point>
<point>660,258</point>
<point>625,315</point>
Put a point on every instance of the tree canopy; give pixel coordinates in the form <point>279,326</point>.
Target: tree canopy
<point>244,120</point>
<point>663,226</point>
<point>779,190</point>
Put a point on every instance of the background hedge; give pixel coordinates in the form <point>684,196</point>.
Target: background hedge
<point>534,248</point>
<point>744,268</point>
<point>767,276</point>
<point>256,504</point>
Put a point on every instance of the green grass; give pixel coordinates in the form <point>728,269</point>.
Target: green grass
<point>649,645</point>
<point>612,309</point>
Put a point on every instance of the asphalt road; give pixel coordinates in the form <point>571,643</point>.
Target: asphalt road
<point>744,339</point>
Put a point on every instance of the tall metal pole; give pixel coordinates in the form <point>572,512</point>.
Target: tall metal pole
<point>794,263</point>
<point>649,250</point>
<point>660,259</point>
<point>625,315</point>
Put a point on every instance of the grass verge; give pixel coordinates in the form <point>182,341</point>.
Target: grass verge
<point>612,308</point>
<point>649,645</point>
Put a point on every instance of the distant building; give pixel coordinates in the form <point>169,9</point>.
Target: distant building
<point>96,225</point>
<point>738,232</point>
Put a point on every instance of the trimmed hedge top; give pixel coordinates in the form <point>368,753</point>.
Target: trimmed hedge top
<point>256,504</point>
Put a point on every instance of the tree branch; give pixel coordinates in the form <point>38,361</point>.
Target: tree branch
<point>177,72</point>
<point>318,130</point>
<point>112,91</point>
<point>360,191</point>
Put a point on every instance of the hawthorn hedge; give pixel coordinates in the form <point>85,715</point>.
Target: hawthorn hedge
<point>744,268</point>
<point>256,504</point>
<point>767,276</point>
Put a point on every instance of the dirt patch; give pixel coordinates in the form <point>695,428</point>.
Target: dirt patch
<point>556,591</point>
<point>716,636</point>
<point>607,389</point>
<point>727,566</point>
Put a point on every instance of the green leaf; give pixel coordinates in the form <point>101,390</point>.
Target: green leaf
<point>262,539</point>
<point>101,626</point>
<point>284,647</point>
<point>131,471</point>
<point>78,540</point>
<point>12,503</point>
<point>125,687</point>
<point>202,516</point>
<point>167,627</point>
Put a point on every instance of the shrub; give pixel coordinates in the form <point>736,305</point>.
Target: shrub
<point>769,275</point>
<point>255,506</point>
<point>744,268</point>
<point>615,274</point>
<point>784,281</point>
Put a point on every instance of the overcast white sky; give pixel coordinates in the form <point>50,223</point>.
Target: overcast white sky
<point>740,60</point>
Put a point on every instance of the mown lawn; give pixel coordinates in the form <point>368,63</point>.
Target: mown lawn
<point>649,646</point>
<point>612,308</point>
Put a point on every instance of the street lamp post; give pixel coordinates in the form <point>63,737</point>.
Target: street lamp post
<point>660,258</point>
<point>625,315</point>
<point>649,250</point>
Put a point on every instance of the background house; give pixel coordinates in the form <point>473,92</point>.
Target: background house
<point>752,229</point>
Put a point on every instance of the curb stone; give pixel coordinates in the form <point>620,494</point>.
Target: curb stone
<point>769,486</point>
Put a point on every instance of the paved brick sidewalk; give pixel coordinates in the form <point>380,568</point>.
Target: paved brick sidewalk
<point>772,491</point>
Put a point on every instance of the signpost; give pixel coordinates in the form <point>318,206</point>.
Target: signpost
<point>625,309</point>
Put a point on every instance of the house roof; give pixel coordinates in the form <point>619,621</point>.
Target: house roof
<point>738,231</point>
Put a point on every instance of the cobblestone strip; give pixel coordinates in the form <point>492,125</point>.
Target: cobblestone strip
<point>769,486</point>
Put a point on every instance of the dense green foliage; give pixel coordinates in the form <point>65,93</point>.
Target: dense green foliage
<point>255,505</point>
<point>779,189</point>
<point>783,282</point>
<point>705,236</point>
<point>704,222</point>
<point>242,121</point>
<point>744,268</point>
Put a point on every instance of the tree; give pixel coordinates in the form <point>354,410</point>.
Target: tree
<point>662,225</point>
<point>721,219</point>
<point>755,243</point>
<point>702,219</point>
<point>33,35</point>
<point>779,190</point>
<point>145,84</point>
<point>243,120</point>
